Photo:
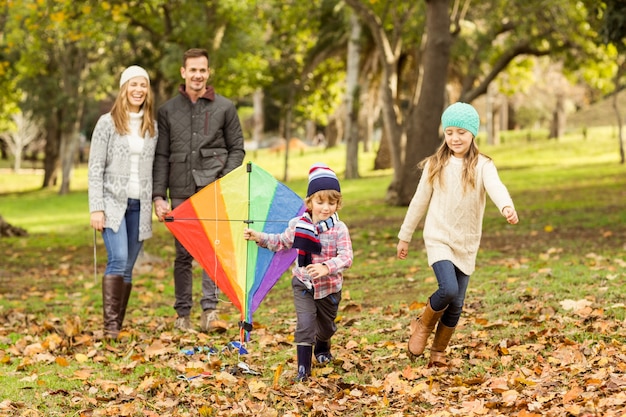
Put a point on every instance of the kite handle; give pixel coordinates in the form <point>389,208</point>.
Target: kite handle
<point>248,221</point>
<point>245,325</point>
<point>168,219</point>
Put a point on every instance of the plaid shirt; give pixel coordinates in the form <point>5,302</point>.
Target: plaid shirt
<point>336,255</point>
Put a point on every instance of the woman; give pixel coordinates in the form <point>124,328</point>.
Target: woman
<point>120,188</point>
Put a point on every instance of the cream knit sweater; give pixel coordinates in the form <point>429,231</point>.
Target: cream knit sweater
<point>453,224</point>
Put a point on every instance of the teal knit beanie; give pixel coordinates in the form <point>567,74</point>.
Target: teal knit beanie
<point>461,115</point>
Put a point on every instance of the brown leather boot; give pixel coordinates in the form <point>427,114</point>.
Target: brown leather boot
<point>111,302</point>
<point>438,349</point>
<point>126,289</point>
<point>421,330</point>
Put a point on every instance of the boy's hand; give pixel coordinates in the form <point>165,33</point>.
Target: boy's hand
<point>317,270</point>
<point>250,234</point>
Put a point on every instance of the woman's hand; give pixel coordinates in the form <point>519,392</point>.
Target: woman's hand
<point>97,220</point>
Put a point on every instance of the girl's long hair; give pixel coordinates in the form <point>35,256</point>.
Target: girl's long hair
<point>440,158</point>
<point>120,110</point>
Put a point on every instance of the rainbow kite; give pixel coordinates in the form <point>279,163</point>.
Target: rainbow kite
<point>210,226</point>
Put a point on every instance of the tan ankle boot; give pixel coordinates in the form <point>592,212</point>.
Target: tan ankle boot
<point>421,330</point>
<point>438,349</point>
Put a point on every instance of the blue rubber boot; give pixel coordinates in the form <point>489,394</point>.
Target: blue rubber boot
<point>305,352</point>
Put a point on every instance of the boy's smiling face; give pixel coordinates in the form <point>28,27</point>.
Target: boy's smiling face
<point>321,208</point>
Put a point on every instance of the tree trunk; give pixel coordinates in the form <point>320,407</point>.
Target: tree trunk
<point>424,120</point>
<point>557,126</point>
<point>383,156</point>
<point>52,161</point>
<point>353,100</point>
<point>8,230</point>
<point>258,118</point>
<point>287,134</point>
<point>620,71</point>
<point>69,147</point>
<point>369,101</point>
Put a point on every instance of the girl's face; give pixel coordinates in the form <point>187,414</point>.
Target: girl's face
<point>458,140</point>
<point>136,93</point>
<point>321,208</point>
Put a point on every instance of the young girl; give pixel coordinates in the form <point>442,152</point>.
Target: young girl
<point>120,188</point>
<point>451,193</point>
<point>324,252</point>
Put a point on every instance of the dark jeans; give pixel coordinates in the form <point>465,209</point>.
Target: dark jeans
<point>315,318</point>
<point>451,292</point>
<point>123,246</point>
<point>183,280</point>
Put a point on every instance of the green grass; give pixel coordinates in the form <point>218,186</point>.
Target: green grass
<point>569,245</point>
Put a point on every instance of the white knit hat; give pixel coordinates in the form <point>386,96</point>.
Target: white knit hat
<point>132,72</point>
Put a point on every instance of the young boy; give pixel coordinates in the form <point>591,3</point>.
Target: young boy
<point>324,252</point>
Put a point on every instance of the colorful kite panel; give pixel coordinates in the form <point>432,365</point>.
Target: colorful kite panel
<point>210,226</point>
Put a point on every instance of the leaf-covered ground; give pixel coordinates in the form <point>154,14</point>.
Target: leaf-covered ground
<point>525,362</point>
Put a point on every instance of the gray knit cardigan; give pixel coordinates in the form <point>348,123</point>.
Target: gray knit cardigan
<point>109,173</point>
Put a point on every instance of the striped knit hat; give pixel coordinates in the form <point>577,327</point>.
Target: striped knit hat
<point>321,177</point>
<point>461,115</point>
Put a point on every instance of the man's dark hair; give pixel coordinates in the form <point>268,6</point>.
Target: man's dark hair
<point>194,53</point>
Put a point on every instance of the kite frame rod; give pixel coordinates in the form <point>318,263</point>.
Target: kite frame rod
<point>170,219</point>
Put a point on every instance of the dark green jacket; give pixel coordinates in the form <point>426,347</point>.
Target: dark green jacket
<point>198,143</point>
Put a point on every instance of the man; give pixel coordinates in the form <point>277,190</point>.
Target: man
<point>200,140</point>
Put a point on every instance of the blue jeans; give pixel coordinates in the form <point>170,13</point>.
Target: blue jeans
<point>124,246</point>
<point>451,292</point>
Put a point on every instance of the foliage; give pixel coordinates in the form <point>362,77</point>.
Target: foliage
<point>541,333</point>
<point>494,33</point>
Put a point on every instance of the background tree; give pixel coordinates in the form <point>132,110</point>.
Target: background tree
<point>486,39</point>
<point>610,18</point>
<point>26,131</point>
<point>67,57</point>
<point>388,25</point>
<point>304,72</point>
<point>54,43</point>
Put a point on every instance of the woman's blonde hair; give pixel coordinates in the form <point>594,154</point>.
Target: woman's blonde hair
<point>438,160</point>
<point>333,196</point>
<point>120,110</point>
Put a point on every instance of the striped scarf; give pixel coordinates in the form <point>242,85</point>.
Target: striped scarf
<point>306,239</point>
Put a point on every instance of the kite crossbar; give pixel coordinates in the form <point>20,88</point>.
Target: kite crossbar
<point>170,219</point>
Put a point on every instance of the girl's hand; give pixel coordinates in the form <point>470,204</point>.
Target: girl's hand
<point>402,249</point>
<point>250,234</point>
<point>510,214</point>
